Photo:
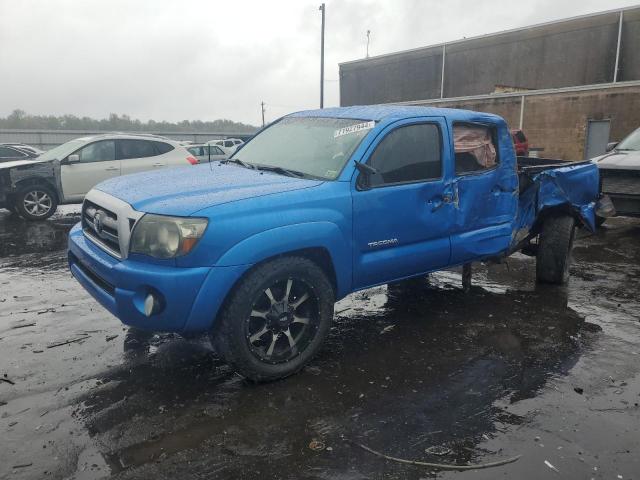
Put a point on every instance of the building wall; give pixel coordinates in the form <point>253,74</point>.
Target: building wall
<point>558,122</point>
<point>578,51</point>
<point>412,76</point>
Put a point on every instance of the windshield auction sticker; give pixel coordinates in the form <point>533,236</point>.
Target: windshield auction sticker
<point>354,129</point>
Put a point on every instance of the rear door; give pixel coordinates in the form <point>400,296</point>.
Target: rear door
<point>138,156</point>
<point>401,224</point>
<point>97,163</point>
<point>485,191</point>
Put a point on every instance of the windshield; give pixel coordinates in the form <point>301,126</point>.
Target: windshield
<point>632,142</point>
<point>315,147</point>
<point>61,151</point>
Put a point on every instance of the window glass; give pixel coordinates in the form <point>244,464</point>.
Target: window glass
<point>631,143</point>
<point>315,147</point>
<point>407,154</point>
<point>98,152</point>
<point>228,143</point>
<point>197,151</point>
<point>216,151</point>
<point>474,148</point>
<point>6,152</point>
<point>162,147</point>
<point>136,149</point>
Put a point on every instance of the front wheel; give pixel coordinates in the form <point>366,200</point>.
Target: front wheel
<point>37,202</point>
<point>276,319</point>
<point>554,249</point>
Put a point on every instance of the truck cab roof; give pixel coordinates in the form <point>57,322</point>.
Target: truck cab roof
<point>397,112</point>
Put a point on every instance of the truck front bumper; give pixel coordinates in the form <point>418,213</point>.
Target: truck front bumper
<point>186,299</point>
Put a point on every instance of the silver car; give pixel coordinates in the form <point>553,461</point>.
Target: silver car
<point>620,174</point>
<point>205,153</point>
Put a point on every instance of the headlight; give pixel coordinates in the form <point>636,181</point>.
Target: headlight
<point>166,237</point>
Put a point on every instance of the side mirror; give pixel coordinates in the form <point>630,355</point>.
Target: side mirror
<point>75,158</point>
<point>611,146</point>
<point>364,180</point>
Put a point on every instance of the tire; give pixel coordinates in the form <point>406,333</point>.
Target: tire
<point>554,250</point>
<point>260,320</point>
<point>36,202</point>
<point>600,221</point>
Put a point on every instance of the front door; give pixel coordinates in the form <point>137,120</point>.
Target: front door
<point>97,163</point>
<point>401,221</point>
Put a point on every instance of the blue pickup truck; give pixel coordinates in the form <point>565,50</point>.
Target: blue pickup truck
<point>255,250</point>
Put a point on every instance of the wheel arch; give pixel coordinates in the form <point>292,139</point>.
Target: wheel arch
<point>321,242</point>
<point>36,181</point>
<point>563,209</point>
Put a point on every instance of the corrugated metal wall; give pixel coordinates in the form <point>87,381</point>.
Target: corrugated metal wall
<point>578,51</point>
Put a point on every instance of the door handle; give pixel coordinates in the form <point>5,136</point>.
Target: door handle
<point>437,202</point>
<point>112,169</point>
<point>158,164</point>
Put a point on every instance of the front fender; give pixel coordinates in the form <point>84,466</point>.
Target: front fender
<point>281,240</point>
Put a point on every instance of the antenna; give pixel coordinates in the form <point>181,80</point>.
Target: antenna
<point>368,36</point>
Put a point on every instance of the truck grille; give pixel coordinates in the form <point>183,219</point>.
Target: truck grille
<point>620,181</point>
<point>101,226</point>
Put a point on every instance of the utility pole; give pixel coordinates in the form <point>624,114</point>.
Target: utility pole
<point>368,35</point>
<point>322,9</point>
<point>262,105</point>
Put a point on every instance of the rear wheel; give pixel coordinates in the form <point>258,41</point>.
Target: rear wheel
<point>554,249</point>
<point>276,319</point>
<point>37,202</point>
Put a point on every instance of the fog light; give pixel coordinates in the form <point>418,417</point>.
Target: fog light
<point>151,305</point>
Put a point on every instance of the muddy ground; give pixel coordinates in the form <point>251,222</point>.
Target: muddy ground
<point>425,373</point>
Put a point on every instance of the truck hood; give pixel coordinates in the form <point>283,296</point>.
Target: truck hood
<point>183,191</point>
<point>19,163</point>
<point>619,160</point>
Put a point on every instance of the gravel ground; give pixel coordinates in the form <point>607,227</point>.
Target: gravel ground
<point>423,372</point>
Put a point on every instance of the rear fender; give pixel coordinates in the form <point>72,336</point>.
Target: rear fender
<point>282,240</point>
<point>573,190</point>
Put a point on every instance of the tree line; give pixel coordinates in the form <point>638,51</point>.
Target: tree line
<point>21,119</point>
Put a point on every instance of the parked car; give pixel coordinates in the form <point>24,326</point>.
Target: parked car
<point>206,153</point>
<point>319,204</point>
<point>66,173</point>
<point>620,174</point>
<point>10,152</point>
<point>229,145</point>
<point>520,142</point>
<point>25,147</point>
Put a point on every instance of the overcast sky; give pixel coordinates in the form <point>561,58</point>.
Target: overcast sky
<point>186,59</point>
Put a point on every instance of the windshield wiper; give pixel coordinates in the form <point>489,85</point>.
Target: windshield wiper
<point>237,161</point>
<point>282,171</point>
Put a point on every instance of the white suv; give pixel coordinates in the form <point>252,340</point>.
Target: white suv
<point>85,162</point>
<point>228,145</point>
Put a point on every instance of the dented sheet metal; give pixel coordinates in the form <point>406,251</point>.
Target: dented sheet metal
<point>14,174</point>
<point>575,187</point>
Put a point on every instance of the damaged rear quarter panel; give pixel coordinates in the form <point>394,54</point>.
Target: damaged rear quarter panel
<point>574,187</point>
